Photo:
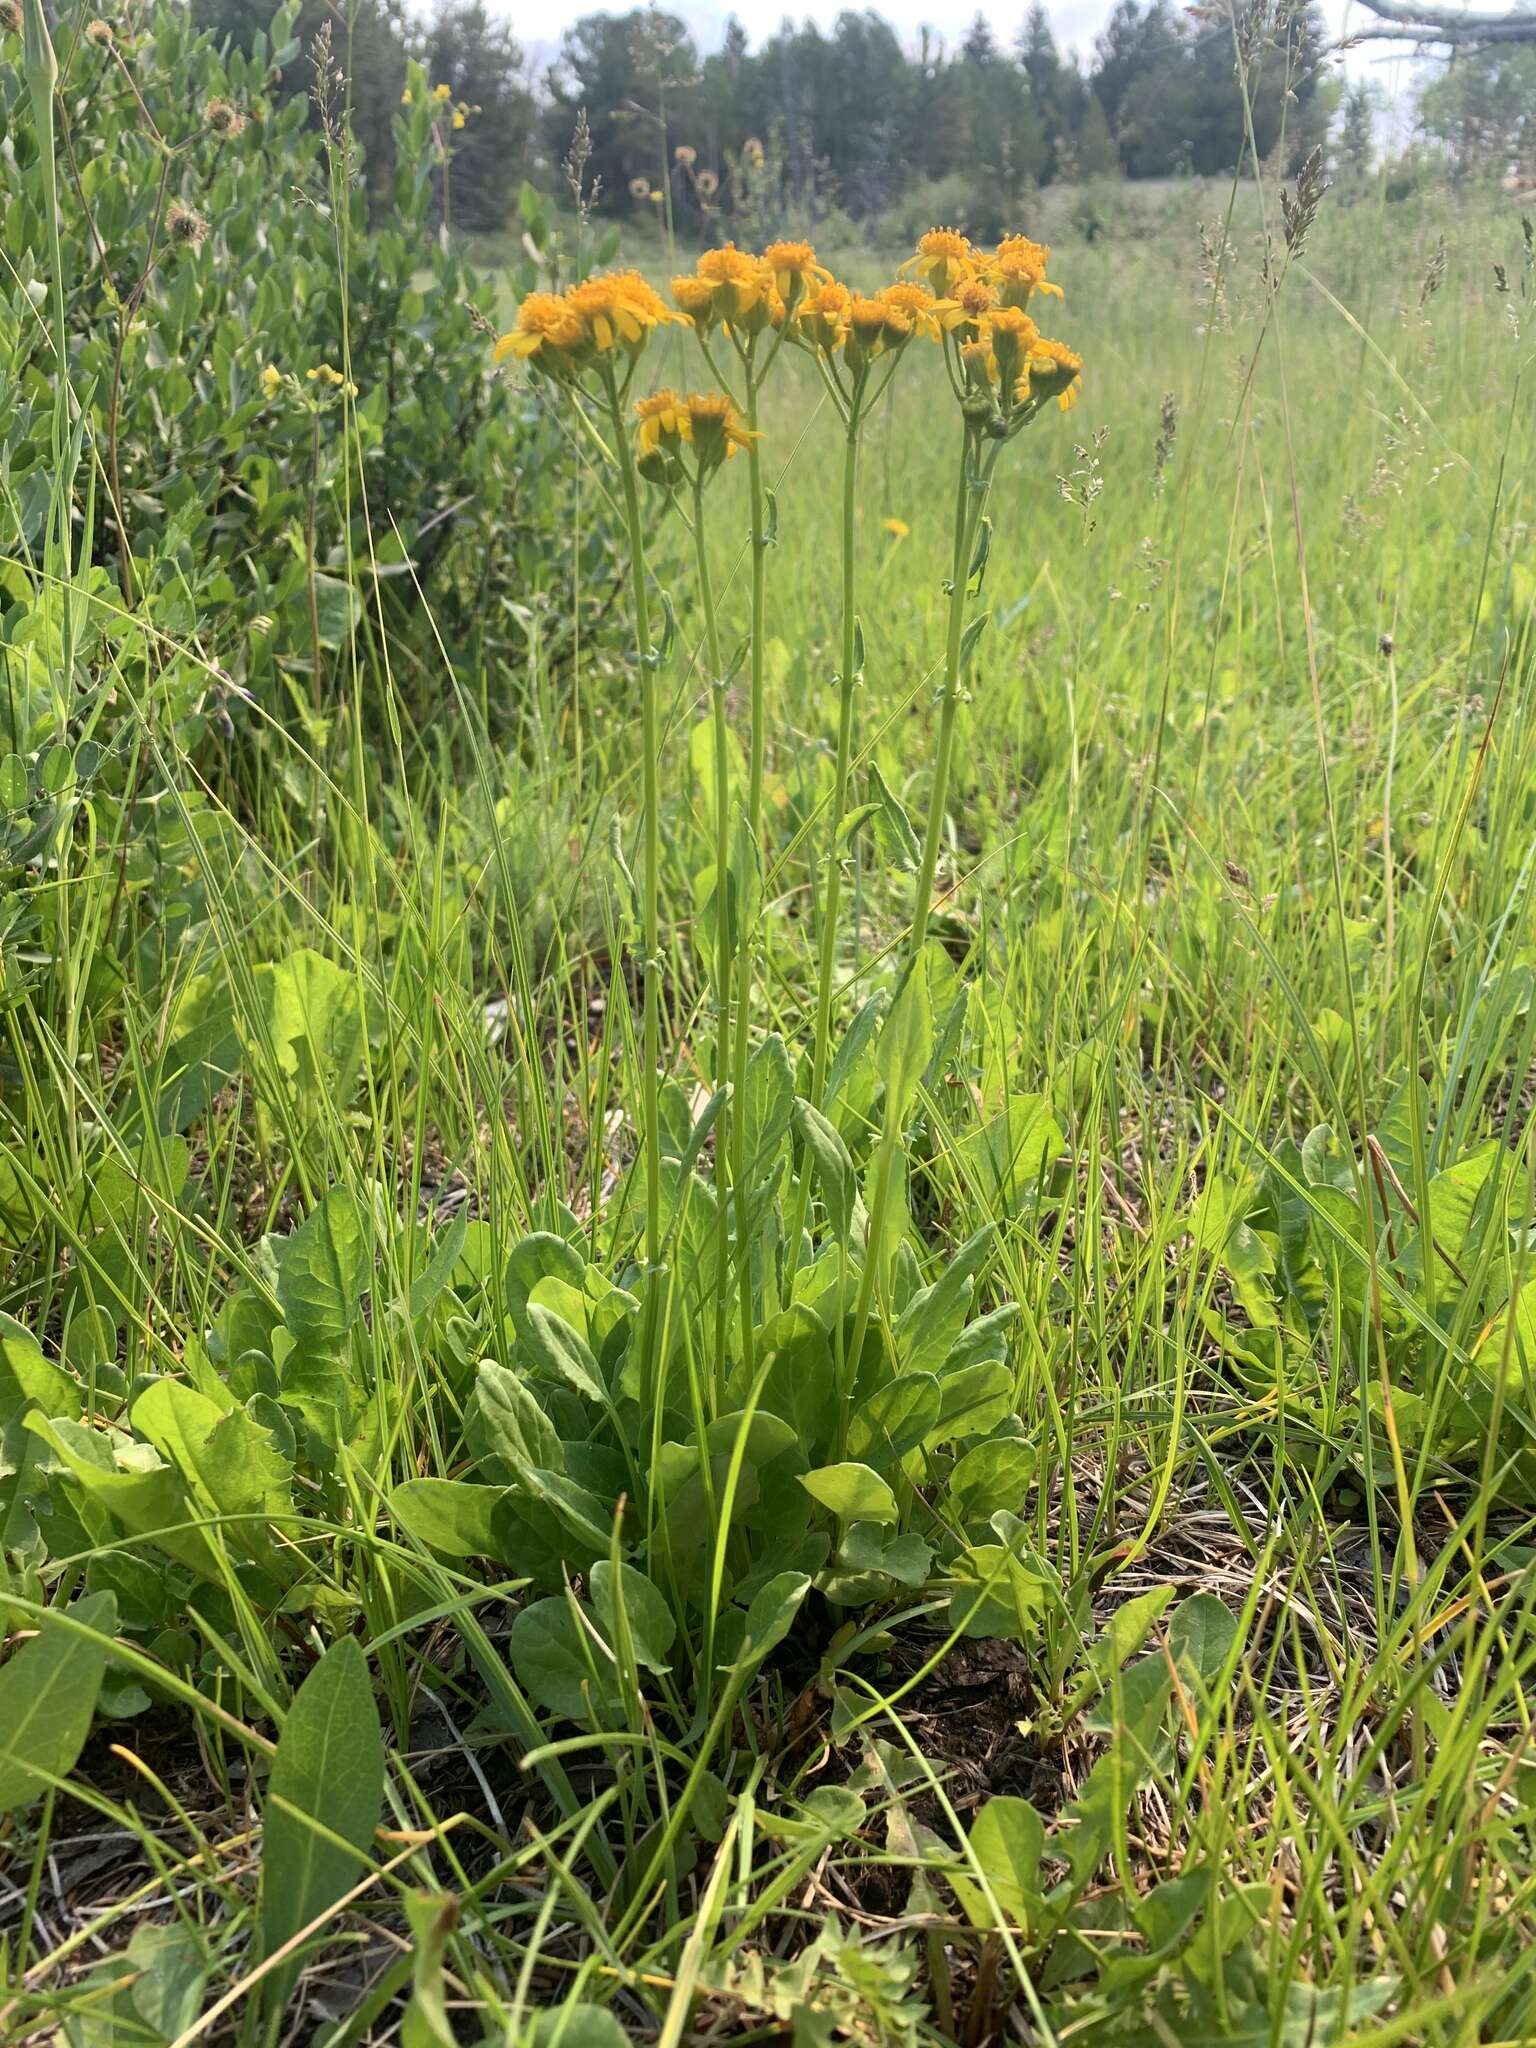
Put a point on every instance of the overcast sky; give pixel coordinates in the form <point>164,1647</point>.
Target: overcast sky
<point>1075,22</point>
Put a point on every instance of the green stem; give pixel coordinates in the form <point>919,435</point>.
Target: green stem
<point>832,898</point>
<point>757,743</point>
<point>650,875</point>
<point>724,912</point>
<point>970,497</point>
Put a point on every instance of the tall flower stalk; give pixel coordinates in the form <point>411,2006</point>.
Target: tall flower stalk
<point>1003,373</point>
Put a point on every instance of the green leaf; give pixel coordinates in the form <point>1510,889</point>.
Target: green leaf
<point>226,1458</point>
<point>29,1380</point>
<point>905,1042</point>
<point>895,1419</point>
<point>974,1399</point>
<point>851,1491</point>
<point>553,1662</point>
<point>425,2022</point>
<point>652,1627</point>
<point>770,1618</point>
<point>1200,1637</point>
<point>328,1775</point>
<point>1128,1629</point>
<point>1007,1839</point>
<point>338,607</point>
<point>573,2026</point>
<point>835,1174</point>
<point>47,1699</point>
<point>968,639</point>
<point>893,828</point>
<point>322,1269</point>
<point>454,1517</point>
<point>562,1352</point>
<point>994,1474</point>
<point>933,1319</point>
<point>508,1429</point>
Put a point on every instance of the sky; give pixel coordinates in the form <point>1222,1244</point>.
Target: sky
<point>1075,22</point>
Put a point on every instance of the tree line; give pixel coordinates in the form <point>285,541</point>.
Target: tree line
<point>851,120</point>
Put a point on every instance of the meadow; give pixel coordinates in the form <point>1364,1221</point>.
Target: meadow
<point>765,1185</point>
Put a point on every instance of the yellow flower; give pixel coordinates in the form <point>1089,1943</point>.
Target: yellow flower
<point>715,428</point>
<point>406,97</point>
<point>752,153</point>
<point>1052,370</point>
<point>742,285</point>
<point>271,380</point>
<point>823,316</point>
<point>546,329</point>
<point>620,308</point>
<point>874,327</point>
<point>696,299</point>
<point>1010,334</point>
<point>973,300</point>
<point>441,95</point>
<point>1018,268</point>
<point>663,419</point>
<point>898,529</point>
<point>944,260</point>
<point>916,304</point>
<point>795,270</point>
<point>458,118</point>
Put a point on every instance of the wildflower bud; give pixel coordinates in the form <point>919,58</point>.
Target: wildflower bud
<point>1052,371</point>
<point>662,430</point>
<point>100,33</point>
<point>185,225</point>
<point>10,17</point>
<point>271,380</point>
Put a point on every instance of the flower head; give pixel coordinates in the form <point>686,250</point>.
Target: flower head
<point>707,183</point>
<point>944,259</point>
<point>1010,334</point>
<point>742,284</point>
<point>753,153</point>
<point>1018,268</point>
<point>874,327</point>
<point>406,96</point>
<point>795,270</point>
<point>916,304</point>
<point>184,225</point>
<point>619,309</point>
<point>715,428</point>
<point>224,119</point>
<point>663,419</point>
<point>10,16</point>
<point>685,154</point>
<point>1051,370</point>
<point>271,380</point>
<point>971,302</point>
<point>100,33</point>
<point>639,188</point>
<point>822,316</point>
<point>695,297</point>
<point>441,95</point>
<point>547,333</point>
<point>898,529</point>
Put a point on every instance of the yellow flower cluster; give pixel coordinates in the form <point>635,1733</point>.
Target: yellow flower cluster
<point>707,422</point>
<point>981,297</point>
<point>562,333</point>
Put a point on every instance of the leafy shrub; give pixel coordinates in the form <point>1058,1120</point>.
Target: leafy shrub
<point>223,296</point>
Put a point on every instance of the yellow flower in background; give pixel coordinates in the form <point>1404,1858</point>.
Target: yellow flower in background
<point>1017,268</point>
<point>1052,371</point>
<point>715,427</point>
<point>898,529</point>
<point>459,117</point>
<point>944,259</point>
<point>546,327</point>
<point>406,97</point>
<point>873,327</point>
<point>794,270</point>
<point>441,95</point>
<point>271,380</point>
